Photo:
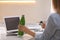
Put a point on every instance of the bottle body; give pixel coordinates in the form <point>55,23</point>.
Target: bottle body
<point>21,22</point>
<point>20,33</point>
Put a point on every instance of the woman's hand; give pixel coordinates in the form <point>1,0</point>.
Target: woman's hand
<point>26,30</point>
<point>43,25</point>
<point>22,28</point>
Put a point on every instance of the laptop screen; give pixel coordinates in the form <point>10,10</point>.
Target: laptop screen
<point>12,23</point>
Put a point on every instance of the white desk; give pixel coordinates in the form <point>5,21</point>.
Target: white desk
<point>4,37</point>
<point>25,37</point>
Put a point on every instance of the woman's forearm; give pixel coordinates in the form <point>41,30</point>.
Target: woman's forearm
<point>26,30</point>
<point>30,33</point>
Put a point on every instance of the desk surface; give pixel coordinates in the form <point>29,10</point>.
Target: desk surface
<point>25,37</point>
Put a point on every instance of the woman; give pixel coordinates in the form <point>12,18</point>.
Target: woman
<point>53,23</point>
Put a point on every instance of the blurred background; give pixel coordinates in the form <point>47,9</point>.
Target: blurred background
<point>34,10</point>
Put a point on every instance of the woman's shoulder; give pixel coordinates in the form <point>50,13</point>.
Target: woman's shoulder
<point>56,18</point>
<point>54,15</point>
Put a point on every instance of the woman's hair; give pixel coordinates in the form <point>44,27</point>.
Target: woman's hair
<point>56,4</point>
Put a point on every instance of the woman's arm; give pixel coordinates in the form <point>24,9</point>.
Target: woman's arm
<point>26,30</point>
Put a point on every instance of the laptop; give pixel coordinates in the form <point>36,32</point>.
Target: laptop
<point>11,25</point>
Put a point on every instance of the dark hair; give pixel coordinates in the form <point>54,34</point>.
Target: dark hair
<point>56,4</point>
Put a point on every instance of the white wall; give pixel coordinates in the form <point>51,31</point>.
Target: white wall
<point>33,12</point>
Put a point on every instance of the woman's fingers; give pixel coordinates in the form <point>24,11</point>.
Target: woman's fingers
<point>20,27</point>
<point>43,25</point>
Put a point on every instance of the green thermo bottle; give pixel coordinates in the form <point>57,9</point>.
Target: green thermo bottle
<point>21,22</point>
